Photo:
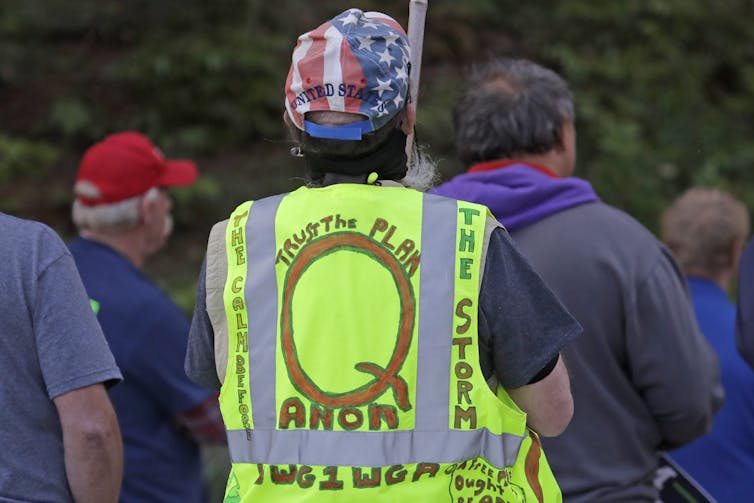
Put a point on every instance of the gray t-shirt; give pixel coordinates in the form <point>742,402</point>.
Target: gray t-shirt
<point>50,344</point>
<point>522,325</point>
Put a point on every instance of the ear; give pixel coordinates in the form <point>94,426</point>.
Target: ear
<point>567,135</point>
<point>735,252</point>
<point>293,131</point>
<point>409,119</point>
<point>146,209</point>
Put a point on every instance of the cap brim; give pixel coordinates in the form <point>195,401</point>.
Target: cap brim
<point>178,173</point>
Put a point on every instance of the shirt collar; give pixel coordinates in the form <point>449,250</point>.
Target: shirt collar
<point>504,163</point>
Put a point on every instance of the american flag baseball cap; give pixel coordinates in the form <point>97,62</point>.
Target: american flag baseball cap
<point>357,62</point>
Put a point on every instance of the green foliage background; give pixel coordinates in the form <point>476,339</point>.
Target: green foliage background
<point>664,92</point>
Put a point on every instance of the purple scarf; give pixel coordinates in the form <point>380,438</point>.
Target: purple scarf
<point>517,194</point>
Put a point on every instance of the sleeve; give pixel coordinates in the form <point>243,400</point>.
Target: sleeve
<point>204,422</point>
<point>745,311</point>
<point>200,354</point>
<point>677,372</point>
<point>158,365</point>
<point>522,324</point>
<point>73,352</point>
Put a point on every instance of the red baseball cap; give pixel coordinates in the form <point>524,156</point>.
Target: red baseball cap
<point>127,164</point>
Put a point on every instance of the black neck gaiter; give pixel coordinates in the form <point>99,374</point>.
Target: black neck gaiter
<point>388,161</point>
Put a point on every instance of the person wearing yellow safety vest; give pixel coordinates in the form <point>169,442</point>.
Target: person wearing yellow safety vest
<point>360,352</point>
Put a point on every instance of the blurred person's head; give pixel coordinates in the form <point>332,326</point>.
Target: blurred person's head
<point>346,101</point>
<point>516,109</point>
<point>706,230</point>
<point>121,194</point>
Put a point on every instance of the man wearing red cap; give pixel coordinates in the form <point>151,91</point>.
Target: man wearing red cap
<point>122,211</point>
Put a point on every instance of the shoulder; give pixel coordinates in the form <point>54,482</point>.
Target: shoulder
<point>594,231</point>
<point>597,248</point>
<point>439,194</point>
<point>131,298</point>
<point>28,231</point>
<point>30,241</point>
<point>10,223</point>
<point>216,260</point>
<point>602,216</point>
<point>157,305</point>
<point>469,209</point>
<point>627,243</point>
<point>217,234</point>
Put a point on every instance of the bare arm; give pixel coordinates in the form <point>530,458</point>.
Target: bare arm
<point>92,444</point>
<point>548,403</point>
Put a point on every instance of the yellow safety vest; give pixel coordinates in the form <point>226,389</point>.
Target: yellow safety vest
<point>349,314</point>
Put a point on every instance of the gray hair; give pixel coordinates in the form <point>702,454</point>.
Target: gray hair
<point>702,226</point>
<point>422,172</point>
<point>119,216</point>
<point>509,107</point>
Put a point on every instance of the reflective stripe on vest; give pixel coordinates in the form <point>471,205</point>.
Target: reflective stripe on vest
<point>432,438</point>
<point>261,291</point>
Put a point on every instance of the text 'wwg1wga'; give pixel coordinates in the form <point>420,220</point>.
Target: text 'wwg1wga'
<point>336,478</point>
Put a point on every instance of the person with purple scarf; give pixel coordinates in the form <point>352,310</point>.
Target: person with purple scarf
<point>643,377</point>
